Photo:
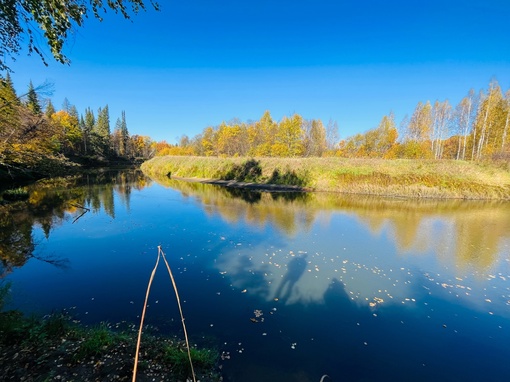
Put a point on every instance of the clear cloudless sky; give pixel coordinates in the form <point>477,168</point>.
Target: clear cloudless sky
<point>196,63</point>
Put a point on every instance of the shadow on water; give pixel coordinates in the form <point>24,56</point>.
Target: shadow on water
<point>295,269</point>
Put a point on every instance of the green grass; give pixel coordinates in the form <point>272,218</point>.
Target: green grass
<point>40,347</point>
<point>96,341</point>
<point>177,357</point>
<point>402,177</point>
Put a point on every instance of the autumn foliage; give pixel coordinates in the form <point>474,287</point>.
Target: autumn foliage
<point>476,129</point>
<point>40,141</point>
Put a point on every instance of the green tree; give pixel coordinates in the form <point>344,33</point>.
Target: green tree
<point>101,132</point>
<point>10,119</point>
<point>87,127</point>
<point>120,136</point>
<point>55,19</point>
<point>33,103</point>
<point>9,107</point>
<point>50,109</point>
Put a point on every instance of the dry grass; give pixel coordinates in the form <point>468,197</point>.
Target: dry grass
<point>409,178</point>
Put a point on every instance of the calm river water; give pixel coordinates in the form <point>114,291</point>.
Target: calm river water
<point>288,287</point>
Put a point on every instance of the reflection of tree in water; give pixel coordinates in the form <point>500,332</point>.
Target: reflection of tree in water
<point>295,269</point>
<point>246,195</point>
<point>472,235</point>
<point>53,201</point>
<point>289,211</point>
<point>17,243</point>
<point>291,196</point>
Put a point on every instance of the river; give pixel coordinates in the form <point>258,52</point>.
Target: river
<point>285,286</point>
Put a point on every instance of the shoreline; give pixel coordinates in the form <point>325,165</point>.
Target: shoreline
<point>245,185</point>
<point>282,188</point>
<point>413,179</point>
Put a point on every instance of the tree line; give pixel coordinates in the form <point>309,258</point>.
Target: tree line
<point>475,129</point>
<point>291,137</point>
<point>35,137</point>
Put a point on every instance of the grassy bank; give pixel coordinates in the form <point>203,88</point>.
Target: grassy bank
<point>55,347</point>
<point>407,178</point>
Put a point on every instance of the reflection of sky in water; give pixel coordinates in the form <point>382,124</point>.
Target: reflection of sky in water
<point>372,269</point>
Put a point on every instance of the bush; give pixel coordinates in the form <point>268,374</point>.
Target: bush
<point>249,171</point>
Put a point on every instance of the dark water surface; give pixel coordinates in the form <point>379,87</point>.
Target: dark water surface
<point>288,287</point>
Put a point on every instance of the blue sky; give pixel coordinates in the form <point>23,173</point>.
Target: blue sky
<point>196,63</point>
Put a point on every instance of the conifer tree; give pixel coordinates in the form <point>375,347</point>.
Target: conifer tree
<point>9,101</point>
<point>124,133</point>
<point>119,138</point>
<point>33,100</point>
<point>101,131</point>
<point>66,105</point>
<point>50,109</point>
<point>73,111</point>
<point>9,115</point>
<point>88,125</point>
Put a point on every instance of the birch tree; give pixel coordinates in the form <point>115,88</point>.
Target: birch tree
<point>441,119</point>
<point>506,101</point>
<point>464,117</point>
<point>486,121</point>
<point>419,126</point>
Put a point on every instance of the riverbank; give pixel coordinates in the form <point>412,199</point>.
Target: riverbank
<point>56,348</point>
<point>14,176</point>
<point>442,179</point>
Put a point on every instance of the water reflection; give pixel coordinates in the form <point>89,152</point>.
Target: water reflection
<point>51,202</point>
<point>281,209</point>
<point>469,233</point>
<point>460,244</point>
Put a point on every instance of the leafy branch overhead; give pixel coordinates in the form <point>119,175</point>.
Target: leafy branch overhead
<point>56,19</point>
